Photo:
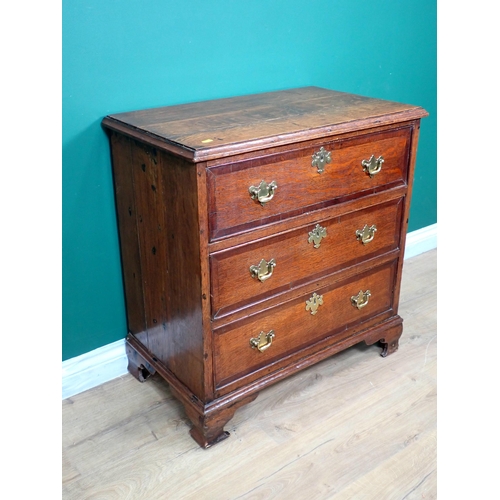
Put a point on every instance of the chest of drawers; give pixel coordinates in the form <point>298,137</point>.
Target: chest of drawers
<point>259,235</point>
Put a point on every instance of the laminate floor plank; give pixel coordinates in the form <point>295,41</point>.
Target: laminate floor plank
<point>317,464</point>
<point>354,426</point>
<point>410,475</point>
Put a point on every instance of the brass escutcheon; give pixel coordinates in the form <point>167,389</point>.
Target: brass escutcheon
<point>366,234</point>
<point>320,159</point>
<point>313,303</point>
<point>263,341</point>
<point>361,299</point>
<point>264,270</point>
<point>316,235</point>
<point>373,165</point>
<point>263,192</point>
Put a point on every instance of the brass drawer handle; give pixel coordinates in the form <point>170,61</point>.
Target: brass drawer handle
<point>263,192</point>
<point>316,235</point>
<point>263,341</point>
<point>373,165</point>
<point>366,234</point>
<point>320,159</point>
<point>264,270</point>
<point>361,300</point>
<point>313,303</point>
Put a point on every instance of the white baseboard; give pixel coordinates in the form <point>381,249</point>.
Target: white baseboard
<point>110,361</point>
<point>93,368</point>
<point>420,241</point>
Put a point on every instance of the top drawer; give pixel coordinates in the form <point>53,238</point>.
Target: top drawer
<point>300,186</point>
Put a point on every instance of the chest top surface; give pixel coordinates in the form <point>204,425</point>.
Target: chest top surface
<point>215,128</point>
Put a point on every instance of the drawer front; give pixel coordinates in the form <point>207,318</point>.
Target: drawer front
<point>258,270</point>
<point>298,324</point>
<point>300,186</point>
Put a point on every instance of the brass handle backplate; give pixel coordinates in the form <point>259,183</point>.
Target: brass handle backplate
<point>361,300</point>
<point>316,235</point>
<point>264,192</point>
<point>373,165</point>
<point>264,270</point>
<point>263,341</point>
<point>313,303</point>
<point>366,234</point>
<point>320,159</point>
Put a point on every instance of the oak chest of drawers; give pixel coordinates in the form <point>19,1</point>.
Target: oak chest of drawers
<point>259,235</point>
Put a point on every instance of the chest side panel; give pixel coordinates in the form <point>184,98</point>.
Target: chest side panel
<point>157,208</point>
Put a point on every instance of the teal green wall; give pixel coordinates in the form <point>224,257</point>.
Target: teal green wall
<point>121,55</point>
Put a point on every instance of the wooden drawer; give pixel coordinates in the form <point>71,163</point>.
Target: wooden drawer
<point>300,187</point>
<point>297,260</point>
<point>295,327</point>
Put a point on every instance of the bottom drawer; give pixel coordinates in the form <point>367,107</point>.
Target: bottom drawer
<point>261,342</point>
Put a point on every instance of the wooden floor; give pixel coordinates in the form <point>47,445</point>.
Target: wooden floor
<point>355,426</point>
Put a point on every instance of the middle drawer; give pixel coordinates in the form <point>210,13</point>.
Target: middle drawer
<point>244,275</point>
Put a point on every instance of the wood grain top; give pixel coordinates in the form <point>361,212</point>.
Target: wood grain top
<point>212,129</point>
